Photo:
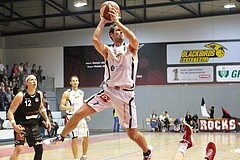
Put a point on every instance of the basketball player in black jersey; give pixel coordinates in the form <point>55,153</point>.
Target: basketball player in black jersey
<point>22,114</point>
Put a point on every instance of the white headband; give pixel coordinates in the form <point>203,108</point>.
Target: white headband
<point>28,77</point>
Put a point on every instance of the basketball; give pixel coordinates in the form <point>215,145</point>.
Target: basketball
<point>104,9</point>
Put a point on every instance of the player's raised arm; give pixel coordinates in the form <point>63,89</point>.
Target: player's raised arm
<point>96,39</point>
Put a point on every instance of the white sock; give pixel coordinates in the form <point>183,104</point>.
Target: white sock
<point>183,148</point>
<point>85,156</point>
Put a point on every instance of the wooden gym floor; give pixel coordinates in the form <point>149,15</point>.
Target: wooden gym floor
<point>117,146</point>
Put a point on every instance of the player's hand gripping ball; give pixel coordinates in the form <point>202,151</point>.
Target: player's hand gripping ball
<point>105,8</point>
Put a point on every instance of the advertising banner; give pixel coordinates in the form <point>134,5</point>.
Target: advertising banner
<point>219,124</point>
<point>203,53</point>
<point>190,74</point>
<point>230,73</point>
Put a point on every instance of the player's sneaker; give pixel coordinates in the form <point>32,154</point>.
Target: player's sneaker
<point>53,141</point>
<point>210,151</point>
<point>149,153</point>
<point>187,136</point>
<point>83,158</point>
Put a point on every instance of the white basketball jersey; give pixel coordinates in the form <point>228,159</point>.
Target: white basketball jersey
<point>75,99</point>
<point>120,68</point>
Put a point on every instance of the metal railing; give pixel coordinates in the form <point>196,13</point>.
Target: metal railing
<point>53,103</point>
<point>47,85</point>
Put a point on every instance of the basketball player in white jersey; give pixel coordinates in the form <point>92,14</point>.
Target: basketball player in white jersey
<point>71,101</point>
<point>120,74</point>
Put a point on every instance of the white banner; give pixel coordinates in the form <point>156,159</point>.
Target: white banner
<point>189,74</point>
<point>229,73</point>
<point>202,53</point>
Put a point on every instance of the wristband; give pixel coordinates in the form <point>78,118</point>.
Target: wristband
<point>13,122</point>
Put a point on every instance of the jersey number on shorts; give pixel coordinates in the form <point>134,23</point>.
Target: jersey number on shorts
<point>104,97</point>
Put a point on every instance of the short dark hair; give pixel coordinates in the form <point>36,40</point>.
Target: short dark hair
<point>111,29</point>
<point>73,76</point>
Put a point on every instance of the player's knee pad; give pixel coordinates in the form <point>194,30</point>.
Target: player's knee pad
<point>38,152</point>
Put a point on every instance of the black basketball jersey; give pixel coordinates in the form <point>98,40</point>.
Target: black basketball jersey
<point>28,110</point>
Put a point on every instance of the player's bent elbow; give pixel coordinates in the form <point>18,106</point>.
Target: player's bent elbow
<point>61,108</point>
<point>95,41</point>
<point>133,39</point>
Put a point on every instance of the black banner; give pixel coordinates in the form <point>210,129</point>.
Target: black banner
<point>219,125</point>
<point>88,65</point>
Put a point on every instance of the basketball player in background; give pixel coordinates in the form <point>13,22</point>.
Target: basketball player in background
<point>23,113</point>
<point>71,101</point>
<point>120,74</point>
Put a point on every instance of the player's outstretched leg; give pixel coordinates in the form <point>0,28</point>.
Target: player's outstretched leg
<point>185,143</point>
<point>210,151</point>
<point>187,136</point>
